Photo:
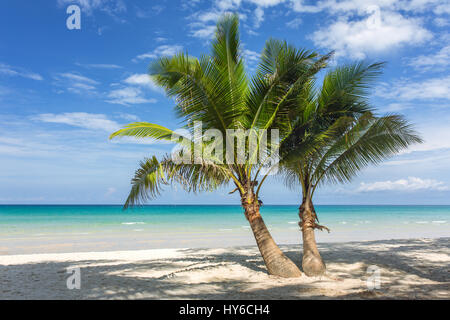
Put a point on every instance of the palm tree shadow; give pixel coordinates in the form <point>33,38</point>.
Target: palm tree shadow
<point>214,274</point>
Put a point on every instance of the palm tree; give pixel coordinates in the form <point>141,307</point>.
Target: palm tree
<point>334,135</point>
<point>216,92</point>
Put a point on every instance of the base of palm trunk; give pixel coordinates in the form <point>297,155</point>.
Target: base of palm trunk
<point>275,260</point>
<point>283,267</point>
<point>312,265</point>
<point>312,262</point>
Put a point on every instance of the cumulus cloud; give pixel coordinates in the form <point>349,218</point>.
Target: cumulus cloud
<point>360,6</point>
<point>128,95</point>
<point>379,33</point>
<point>441,22</point>
<point>407,90</point>
<point>18,72</point>
<point>111,7</point>
<point>163,50</point>
<point>144,80</point>
<point>251,56</point>
<point>127,116</point>
<point>438,59</point>
<point>75,83</point>
<point>99,66</point>
<point>133,93</point>
<point>294,23</point>
<point>202,31</point>
<point>409,184</point>
<point>80,119</point>
<point>203,23</point>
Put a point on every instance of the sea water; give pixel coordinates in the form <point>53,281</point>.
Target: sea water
<point>72,228</point>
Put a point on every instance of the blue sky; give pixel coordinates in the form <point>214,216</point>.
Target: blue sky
<point>62,92</point>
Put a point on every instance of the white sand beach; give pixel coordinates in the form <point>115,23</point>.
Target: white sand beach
<point>409,269</point>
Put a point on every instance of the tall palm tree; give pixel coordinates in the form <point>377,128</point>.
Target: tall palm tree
<point>334,135</point>
<point>215,91</point>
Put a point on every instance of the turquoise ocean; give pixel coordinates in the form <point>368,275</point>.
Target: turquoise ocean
<point>75,228</point>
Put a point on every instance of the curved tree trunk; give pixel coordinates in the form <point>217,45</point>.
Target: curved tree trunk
<point>276,262</point>
<point>312,263</point>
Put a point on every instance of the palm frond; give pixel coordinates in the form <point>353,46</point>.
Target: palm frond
<point>152,175</point>
<point>370,141</point>
<point>145,130</point>
<point>345,89</point>
<point>146,183</point>
<point>281,75</point>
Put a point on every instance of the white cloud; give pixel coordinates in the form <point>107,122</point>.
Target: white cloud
<point>203,23</point>
<point>146,13</point>
<point>143,80</point>
<point>294,24</point>
<point>434,88</point>
<point>409,184</point>
<point>441,22</point>
<point>18,72</point>
<point>438,59</point>
<point>360,6</point>
<point>394,107</point>
<point>259,16</point>
<point>266,3</point>
<point>356,38</point>
<point>127,116</point>
<point>80,119</point>
<point>110,191</point>
<point>164,50</point>
<point>76,83</point>
<point>111,7</point>
<point>201,31</point>
<point>99,66</point>
<point>77,78</point>
<point>251,56</point>
<point>128,95</point>
<point>435,134</point>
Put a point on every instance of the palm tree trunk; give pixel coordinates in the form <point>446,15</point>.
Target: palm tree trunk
<point>276,262</point>
<point>312,263</point>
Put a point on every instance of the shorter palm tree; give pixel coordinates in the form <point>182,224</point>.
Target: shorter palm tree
<point>334,135</point>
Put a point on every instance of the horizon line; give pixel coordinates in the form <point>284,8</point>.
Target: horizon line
<point>204,204</point>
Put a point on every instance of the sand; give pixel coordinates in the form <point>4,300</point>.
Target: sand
<point>409,269</point>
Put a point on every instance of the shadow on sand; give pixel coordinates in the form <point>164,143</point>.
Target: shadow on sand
<point>410,269</point>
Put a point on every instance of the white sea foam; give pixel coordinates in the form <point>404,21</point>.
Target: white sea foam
<point>292,222</point>
<point>131,223</point>
<point>225,229</point>
<point>422,222</point>
<point>137,230</point>
<point>439,221</point>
